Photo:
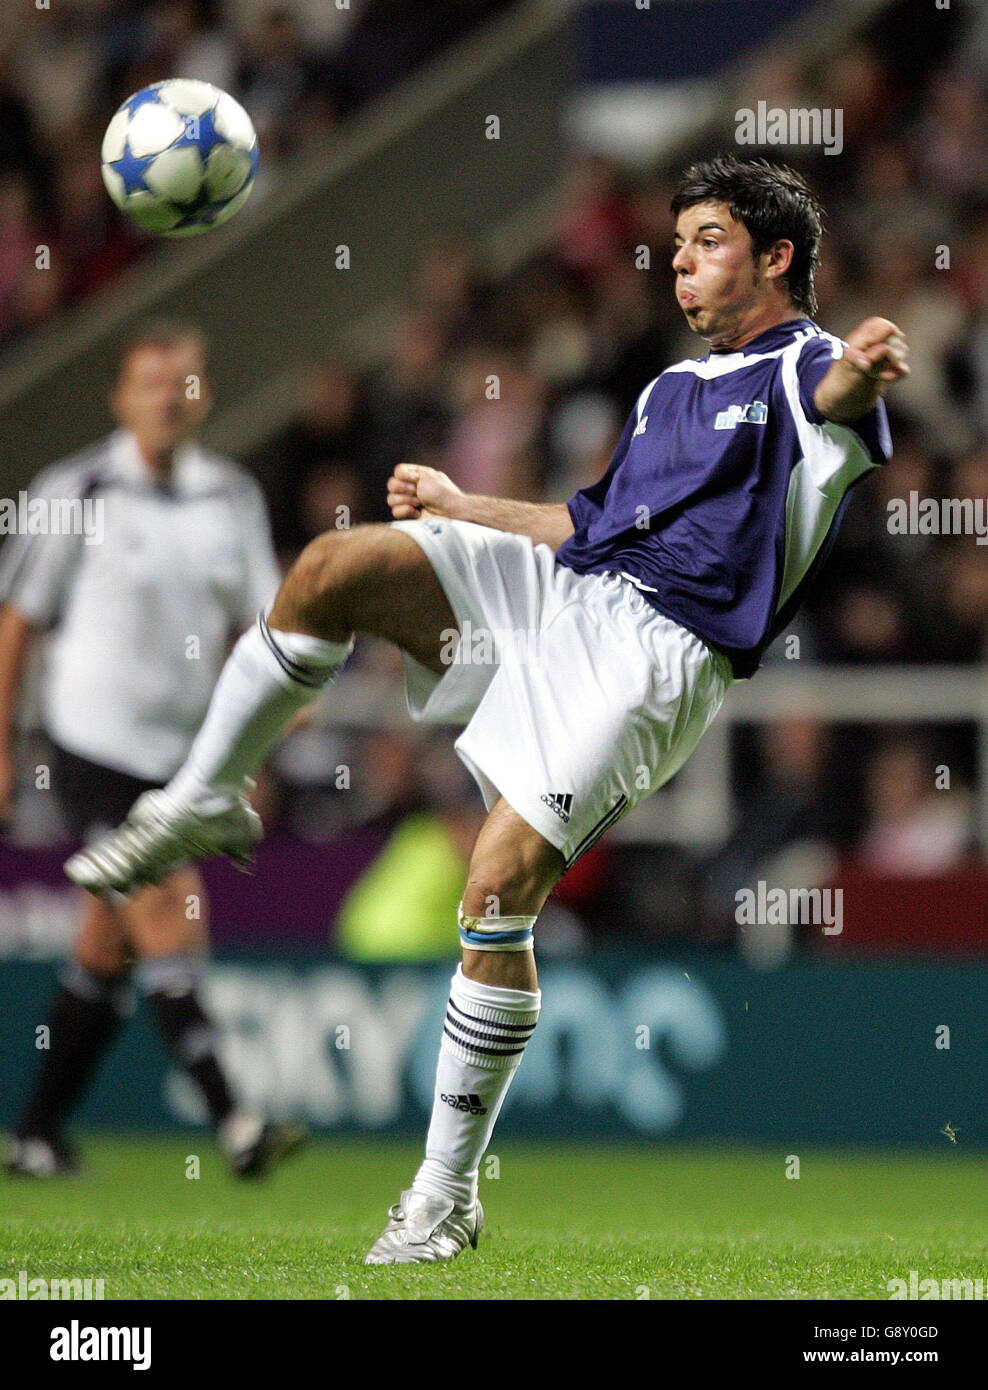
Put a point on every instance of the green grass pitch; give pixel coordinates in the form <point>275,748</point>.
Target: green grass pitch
<point>580,1222</point>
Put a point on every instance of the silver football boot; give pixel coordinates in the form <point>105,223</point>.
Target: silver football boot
<point>157,836</point>
<point>424,1229</point>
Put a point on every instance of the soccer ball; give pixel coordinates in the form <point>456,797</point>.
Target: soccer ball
<point>179,157</point>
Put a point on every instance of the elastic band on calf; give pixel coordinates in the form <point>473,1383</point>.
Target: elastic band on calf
<point>308,660</point>
<point>496,933</point>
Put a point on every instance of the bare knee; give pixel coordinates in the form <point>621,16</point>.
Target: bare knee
<point>512,869</point>
<point>310,597</point>
<point>495,890</point>
<point>373,579</point>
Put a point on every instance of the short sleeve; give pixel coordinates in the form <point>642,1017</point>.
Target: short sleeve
<point>815,360</point>
<point>38,559</point>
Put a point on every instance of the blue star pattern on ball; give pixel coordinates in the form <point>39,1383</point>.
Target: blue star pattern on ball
<point>132,170</point>
<point>142,98</point>
<point>200,132</point>
<point>180,157</point>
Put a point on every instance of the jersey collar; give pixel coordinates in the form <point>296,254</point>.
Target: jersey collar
<point>778,336</point>
<point>128,465</point>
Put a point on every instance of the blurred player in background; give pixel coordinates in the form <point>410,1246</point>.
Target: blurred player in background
<point>638,602</point>
<point>139,616</point>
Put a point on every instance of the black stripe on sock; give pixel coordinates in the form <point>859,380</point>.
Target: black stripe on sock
<point>489,1022</point>
<point>487,1051</point>
<point>502,1043</point>
<point>302,674</point>
<point>489,1033</point>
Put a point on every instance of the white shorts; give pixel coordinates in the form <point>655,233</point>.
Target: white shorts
<point>579,699</point>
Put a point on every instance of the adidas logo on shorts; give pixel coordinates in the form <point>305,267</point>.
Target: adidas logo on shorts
<point>561,803</point>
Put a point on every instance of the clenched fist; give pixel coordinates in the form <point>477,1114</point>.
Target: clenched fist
<point>875,354</point>
<point>878,350</point>
<point>414,490</point>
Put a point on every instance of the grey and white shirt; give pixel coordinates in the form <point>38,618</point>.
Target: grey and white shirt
<point>142,600</point>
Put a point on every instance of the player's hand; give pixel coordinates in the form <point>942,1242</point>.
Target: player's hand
<point>414,489</point>
<point>878,350</point>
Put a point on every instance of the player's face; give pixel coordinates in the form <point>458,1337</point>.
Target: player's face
<point>719,287</point>
<point>162,396</point>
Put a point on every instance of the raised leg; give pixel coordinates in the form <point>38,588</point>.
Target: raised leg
<point>372,579</point>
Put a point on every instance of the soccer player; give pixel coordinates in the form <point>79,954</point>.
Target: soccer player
<point>140,613</point>
<point>640,601</point>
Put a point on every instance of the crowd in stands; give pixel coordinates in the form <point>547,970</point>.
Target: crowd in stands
<point>302,68</point>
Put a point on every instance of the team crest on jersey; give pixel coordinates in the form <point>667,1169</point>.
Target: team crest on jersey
<point>754,414</point>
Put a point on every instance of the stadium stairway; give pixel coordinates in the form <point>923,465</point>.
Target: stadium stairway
<point>269,289</point>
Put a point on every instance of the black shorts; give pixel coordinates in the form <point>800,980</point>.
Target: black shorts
<point>93,798</point>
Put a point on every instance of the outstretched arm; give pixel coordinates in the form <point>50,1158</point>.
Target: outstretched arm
<point>875,354</point>
<point>414,491</point>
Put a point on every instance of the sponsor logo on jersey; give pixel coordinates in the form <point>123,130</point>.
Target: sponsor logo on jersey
<point>640,427</point>
<point>756,413</point>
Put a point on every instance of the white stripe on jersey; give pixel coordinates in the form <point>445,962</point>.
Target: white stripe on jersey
<point>724,364</point>
<point>642,399</point>
<point>833,458</point>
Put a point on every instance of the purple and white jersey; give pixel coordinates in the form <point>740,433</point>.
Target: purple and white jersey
<point>727,488</point>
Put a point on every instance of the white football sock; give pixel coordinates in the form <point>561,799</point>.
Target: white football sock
<point>483,1043</point>
<point>269,676</point>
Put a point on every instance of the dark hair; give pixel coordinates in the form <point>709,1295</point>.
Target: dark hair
<point>773,202</point>
<point>159,333</point>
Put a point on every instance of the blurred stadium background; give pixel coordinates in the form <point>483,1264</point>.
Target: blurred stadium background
<point>857,759</point>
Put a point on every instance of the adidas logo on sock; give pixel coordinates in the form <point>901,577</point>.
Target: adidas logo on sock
<point>559,802</point>
<point>469,1104</point>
